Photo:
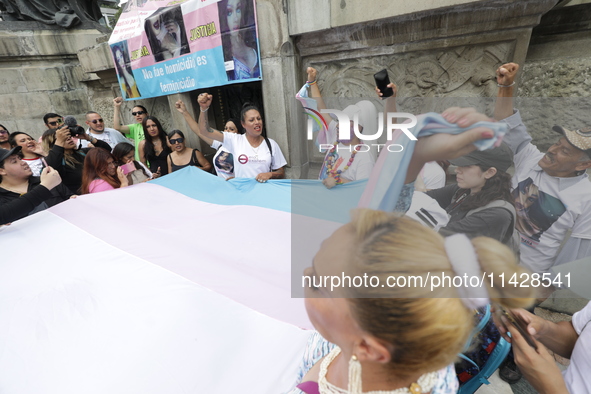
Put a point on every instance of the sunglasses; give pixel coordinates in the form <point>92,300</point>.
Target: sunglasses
<point>55,123</point>
<point>3,132</point>
<point>95,121</point>
<point>177,141</point>
<point>138,113</point>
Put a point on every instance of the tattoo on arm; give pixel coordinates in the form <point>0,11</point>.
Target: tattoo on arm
<point>208,128</point>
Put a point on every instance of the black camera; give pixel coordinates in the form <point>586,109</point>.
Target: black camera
<point>76,130</point>
<point>72,124</point>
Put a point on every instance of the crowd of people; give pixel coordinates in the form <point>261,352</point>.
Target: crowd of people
<point>368,338</point>
<point>98,158</point>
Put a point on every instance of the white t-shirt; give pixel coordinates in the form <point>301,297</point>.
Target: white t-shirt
<point>110,136</point>
<point>360,168</point>
<point>547,207</point>
<point>576,376</point>
<point>223,161</point>
<point>433,175</point>
<point>249,161</point>
<point>36,165</point>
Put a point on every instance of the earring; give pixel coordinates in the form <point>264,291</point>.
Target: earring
<point>355,384</point>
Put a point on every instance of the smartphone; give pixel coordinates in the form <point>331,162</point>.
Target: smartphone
<point>382,82</point>
<point>518,323</point>
<point>127,168</point>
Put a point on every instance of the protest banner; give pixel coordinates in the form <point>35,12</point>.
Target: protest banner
<point>162,47</point>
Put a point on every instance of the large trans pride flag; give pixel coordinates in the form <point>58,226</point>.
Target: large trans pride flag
<point>186,284</point>
<point>179,285</point>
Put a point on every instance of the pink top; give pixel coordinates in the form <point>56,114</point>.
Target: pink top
<point>99,185</point>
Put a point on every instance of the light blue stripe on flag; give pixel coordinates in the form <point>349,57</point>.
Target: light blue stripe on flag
<point>298,196</point>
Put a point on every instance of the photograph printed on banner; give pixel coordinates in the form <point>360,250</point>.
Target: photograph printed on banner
<point>239,39</point>
<point>165,30</point>
<point>127,82</point>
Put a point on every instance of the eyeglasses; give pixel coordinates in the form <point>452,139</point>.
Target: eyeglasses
<point>138,113</point>
<point>177,141</point>
<point>95,121</point>
<point>55,123</point>
<point>3,132</point>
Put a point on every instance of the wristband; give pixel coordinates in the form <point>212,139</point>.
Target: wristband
<point>311,82</point>
<point>204,110</point>
<point>505,86</point>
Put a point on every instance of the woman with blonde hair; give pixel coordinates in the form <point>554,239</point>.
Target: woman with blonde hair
<point>400,330</point>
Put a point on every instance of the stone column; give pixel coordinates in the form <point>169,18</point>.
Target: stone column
<point>280,73</point>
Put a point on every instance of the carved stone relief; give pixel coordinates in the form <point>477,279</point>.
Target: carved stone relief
<point>461,72</point>
<point>427,80</point>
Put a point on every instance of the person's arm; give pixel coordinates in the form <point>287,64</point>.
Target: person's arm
<point>202,128</point>
<point>117,114</point>
<point>203,163</point>
<point>574,248</point>
<point>141,148</point>
<point>275,174</point>
<point>97,143</point>
<point>506,83</point>
<point>277,160</point>
<point>64,192</point>
<point>315,92</point>
<point>448,146</point>
<point>55,157</point>
<point>169,162</point>
<point>443,195</point>
<point>537,365</point>
<point>207,140</point>
<point>21,206</point>
<point>122,177</point>
<point>558,337</point>
<point>517,137</point>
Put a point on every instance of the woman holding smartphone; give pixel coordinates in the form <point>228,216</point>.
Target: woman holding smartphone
<point>347,160</point>
<point>135,171</point>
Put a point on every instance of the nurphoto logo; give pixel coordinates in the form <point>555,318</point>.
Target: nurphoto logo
<point>344,130</point>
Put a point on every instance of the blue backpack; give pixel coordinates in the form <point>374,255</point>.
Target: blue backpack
<point>484,352</point>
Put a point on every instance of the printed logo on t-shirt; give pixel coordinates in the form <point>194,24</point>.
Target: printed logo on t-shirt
<point>225,162</point>
<point>243,159</point>
<point>536,211</point>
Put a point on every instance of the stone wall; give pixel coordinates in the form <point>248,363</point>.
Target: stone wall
<point>558,65</point>
<point>431,49</point>
<point>40,73</point>
<point>450,51</point>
